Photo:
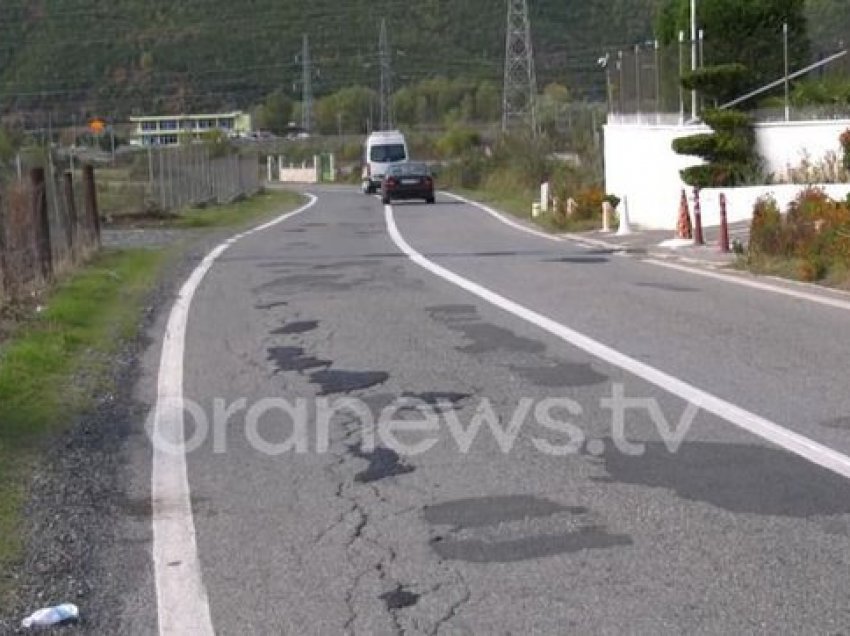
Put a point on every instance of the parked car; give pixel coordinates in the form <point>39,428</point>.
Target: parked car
<point>412,180</point>
<point>383,149</point>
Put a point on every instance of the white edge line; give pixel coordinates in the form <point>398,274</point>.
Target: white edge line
<point>794,442</point>
<point>815,298</point>
<point>182,603</point>
<point>502,219</point>
<point>836,303</point>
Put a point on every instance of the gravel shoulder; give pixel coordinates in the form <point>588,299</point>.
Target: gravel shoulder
<point>87,517</point>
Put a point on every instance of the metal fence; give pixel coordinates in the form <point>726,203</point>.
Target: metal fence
<point>168,179</point>
<point>644,81</point>
<point>49,222</point>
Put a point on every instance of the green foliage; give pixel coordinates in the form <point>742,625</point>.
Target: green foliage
<point>720,83</point>
<point>747,32</point>
<point>551,106</point>
<point>116,58</point>
<point>458,141</point>
<point>729,151</point>
<point>8,145</point>
<point>345,111</point>
<point>275,113</point>
<point>50,371</point>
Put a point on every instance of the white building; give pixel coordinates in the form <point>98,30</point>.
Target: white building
<point>169,130</point>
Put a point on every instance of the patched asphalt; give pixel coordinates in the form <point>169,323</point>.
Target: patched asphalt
<point>727,535</point>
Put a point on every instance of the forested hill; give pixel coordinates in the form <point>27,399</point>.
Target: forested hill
<point>120,56</point>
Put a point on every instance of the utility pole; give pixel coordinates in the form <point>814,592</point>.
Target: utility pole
<point>694,52</point>
<point>638,71</point>
<point>657,82</point>
<point>306,87</point>
<point>787,73</point>
<point>520,90</point>
<point>386,78</point>
<point>681,89</point>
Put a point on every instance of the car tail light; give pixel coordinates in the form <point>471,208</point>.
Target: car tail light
<point>429,182</point>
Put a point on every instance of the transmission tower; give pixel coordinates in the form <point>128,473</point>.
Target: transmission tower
<point>386,78</point>
<point>518,105</point>
<point>306,87</point>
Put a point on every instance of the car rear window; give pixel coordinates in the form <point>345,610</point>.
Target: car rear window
<point>387,154</point>
<point>409,169</point>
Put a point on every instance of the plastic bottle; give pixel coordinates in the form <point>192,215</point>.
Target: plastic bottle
<point>52,616</point>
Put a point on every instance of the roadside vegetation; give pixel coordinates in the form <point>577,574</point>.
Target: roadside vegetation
<point>57,351</point>
<point>810,241</point>
<point>508,174</point>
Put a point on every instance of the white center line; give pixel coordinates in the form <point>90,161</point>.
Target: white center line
<point>794,442</point>
<point>182,604</point>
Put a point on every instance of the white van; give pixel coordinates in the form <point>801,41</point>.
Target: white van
<point>382,150</point>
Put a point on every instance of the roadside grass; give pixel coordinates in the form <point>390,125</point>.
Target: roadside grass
<point>52,363</point>
<point>240,213</point>
<point>836,276</point>
<point>518,204</point>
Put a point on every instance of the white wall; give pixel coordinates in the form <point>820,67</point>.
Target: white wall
<point>299,175</point>
<point>642,169</point>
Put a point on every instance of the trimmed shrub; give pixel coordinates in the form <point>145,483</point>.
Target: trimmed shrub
<point>768,234</point>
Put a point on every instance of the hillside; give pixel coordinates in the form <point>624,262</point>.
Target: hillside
<point>115,57</point>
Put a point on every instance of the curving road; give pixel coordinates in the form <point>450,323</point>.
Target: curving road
<point>744,528</point>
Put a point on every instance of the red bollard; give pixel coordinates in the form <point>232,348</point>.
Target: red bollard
<point>724,226</point>
<point>698,238</point>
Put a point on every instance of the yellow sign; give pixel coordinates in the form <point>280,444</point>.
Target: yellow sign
<point>97,126</point>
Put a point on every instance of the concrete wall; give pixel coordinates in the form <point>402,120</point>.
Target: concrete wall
<point>642,169</point>
<point>299,175</point>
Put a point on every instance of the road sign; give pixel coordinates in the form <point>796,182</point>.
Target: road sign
<point>97,126</point>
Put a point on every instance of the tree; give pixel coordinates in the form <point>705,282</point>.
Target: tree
<point>275,113</point>
<point>552,107</point>
<point>729,151</point>
<point>347,110</point>
<point>747,32</point>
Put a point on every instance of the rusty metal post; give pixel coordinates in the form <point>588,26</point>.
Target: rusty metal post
<point>724,226</point>
<point>71,205</point>
<point>698,237</point>
<point>90,194</point>
<point>41,222</point>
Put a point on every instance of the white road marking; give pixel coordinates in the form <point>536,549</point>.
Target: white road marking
<point>754,284</point>
<point>502,219</point>
<point>586,242</point>
<point>794,442</point>
<point>182,604</point>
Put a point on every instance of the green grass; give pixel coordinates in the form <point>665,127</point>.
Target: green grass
<point>241,213</point>
<point>54,364</point>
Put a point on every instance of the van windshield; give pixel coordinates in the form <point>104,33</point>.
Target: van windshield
<point>388,154</point>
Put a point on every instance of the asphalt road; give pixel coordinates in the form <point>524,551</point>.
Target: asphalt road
<point>729,534</point>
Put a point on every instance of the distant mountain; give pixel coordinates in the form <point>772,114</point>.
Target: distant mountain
<point>116,57</point>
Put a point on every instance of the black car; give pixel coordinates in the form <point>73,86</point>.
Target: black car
<point>412,180</point>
